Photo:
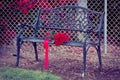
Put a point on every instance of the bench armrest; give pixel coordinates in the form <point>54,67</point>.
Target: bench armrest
<point>22,27</point>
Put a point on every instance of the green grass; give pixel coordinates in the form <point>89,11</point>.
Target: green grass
<point>22,74</point>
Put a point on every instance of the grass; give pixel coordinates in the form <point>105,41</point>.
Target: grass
<point>22,74</point>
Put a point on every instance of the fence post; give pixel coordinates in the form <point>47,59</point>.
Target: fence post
<point>105,27</point>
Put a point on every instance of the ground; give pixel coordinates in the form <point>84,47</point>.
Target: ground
<point>65,62</point>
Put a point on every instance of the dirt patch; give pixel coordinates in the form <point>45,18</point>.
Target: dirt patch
<point>65,62</point>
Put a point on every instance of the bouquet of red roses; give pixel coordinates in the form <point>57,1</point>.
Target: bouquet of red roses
<point>60,38</point>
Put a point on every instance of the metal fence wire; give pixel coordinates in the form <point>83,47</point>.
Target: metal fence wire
<point>13,12</point>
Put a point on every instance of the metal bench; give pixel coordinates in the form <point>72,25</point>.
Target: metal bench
<point>80,24</point>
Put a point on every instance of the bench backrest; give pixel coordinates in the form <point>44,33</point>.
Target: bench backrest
<point>69,18</point>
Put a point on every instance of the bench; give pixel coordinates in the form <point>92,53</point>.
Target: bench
<point>81,26</point>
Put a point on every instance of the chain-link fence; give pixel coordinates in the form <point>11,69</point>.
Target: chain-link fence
<point>13,12</point>
<point>113,26</point>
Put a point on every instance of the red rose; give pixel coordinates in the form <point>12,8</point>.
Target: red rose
<point>24,10</point>
<point>25,1</point>
<point>60,38</point>
<point>31,6</point>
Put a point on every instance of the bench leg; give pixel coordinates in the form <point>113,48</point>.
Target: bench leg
<point>35,48</point>
<point>18,52</point>
<point>99,57</point>
<point>84,61</point>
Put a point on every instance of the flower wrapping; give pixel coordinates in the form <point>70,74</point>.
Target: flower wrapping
<point>46,43</point>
